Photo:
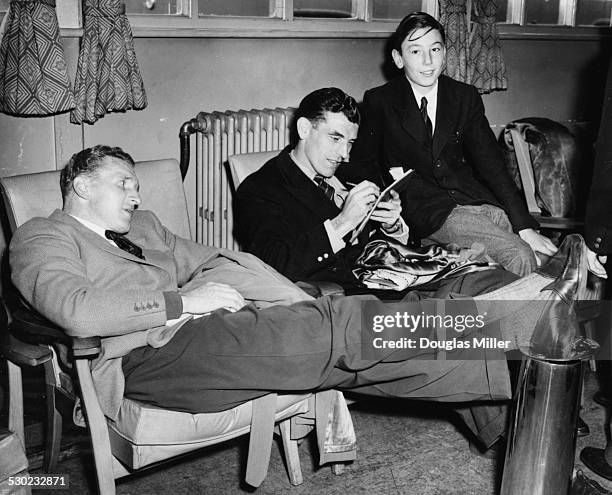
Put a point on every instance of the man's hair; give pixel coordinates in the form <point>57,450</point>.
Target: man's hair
<point>86,162</point>
<point>413,22</point>
<point>334,100</point>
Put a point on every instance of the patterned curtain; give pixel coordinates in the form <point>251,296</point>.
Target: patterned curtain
<point>453,17</point>
<point>108,78</point>
<point>487,68</point>
<point>33,74</point>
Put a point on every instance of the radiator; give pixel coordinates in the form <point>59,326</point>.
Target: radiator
<point>219,135</point>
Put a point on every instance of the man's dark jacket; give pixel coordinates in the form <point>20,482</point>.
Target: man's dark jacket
<point>278,216</point>
<point>598,231</point>
<point>462,165</point>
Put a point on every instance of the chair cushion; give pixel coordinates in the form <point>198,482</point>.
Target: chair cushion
<point>241,166</point>
<point>144,434</point>
<point>161,186</point>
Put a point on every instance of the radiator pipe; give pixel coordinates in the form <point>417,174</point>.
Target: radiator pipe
<point>200,123</point>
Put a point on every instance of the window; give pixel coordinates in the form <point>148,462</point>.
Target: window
<point>593,13</point>
<point>322,18</point>
<point>235,8</point>
<point>157,7</point>
<point>394,9</point>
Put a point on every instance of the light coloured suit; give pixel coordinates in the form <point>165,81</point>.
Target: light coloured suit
<point>90,287</point>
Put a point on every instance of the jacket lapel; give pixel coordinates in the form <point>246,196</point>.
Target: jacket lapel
<point>407,110</point>
<point>100,242</point>
<point>446,114</point>
<point>304,190</point>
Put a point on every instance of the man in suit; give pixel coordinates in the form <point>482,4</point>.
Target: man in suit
<point>460,190</point>
<point>297,216</point>
<point>101,267</point>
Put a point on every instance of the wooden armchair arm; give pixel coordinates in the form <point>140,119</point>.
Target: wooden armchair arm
<point>32,328</point>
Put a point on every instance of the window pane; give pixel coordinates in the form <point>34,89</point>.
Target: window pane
<point>541,11</point>
<point>502,11</point>
<point>4,5</point>
<point>243,8</point>
<point>593,13</point>
<point>328,9</point>
<point>394,9</point>
<point>153,7</point>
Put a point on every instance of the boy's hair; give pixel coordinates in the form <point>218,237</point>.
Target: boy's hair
<point>86,162</point>
<point>413,22</point>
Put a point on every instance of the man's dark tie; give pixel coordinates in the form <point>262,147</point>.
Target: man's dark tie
<point>425,117</point>
<point>124,243</point>
<point>328,190</point>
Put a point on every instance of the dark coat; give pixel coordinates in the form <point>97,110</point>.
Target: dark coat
<point>463,164</point>
<point>279,215</point>
<point>598,231</point>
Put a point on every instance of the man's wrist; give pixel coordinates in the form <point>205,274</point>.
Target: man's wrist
<point>393,228</point>
<point>340,226</point>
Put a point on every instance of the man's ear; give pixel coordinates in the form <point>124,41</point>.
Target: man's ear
<point>80,186</point>
<point>397,59</point>
<point>303,127</point>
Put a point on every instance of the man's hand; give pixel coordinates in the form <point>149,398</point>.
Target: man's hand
<point>538,242</point>
<point>211,296</point>
<point>595,264</point>
<point>388,212</point>
<point>356,205</point>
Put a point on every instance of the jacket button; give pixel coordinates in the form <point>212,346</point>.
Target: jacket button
<point>319,258</point>
<point>438,164</point>
<point>598,239</point>
<point>326,256</point>
<point>596,245</point>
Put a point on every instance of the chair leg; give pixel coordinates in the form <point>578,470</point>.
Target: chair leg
<point>337,468</point>
<point>53,435</point>
<point>292,456</point>
<point>96,423</point>
<point>260,441</point>
<point>15,420</point>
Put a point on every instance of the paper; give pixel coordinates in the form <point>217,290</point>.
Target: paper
<point>384,196</point>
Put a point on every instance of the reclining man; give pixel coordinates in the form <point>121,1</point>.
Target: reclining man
<point>297,216</point>
<point>131,289</point>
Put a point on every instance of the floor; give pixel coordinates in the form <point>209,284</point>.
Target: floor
<point>403,448</point>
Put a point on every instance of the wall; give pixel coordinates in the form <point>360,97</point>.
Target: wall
<point>561,80</point>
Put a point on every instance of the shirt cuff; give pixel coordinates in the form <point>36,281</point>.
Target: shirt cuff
<point>402,234</point>
<point>336,241</point>
<point>174,305</point>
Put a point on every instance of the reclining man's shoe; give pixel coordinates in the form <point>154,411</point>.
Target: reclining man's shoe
<point>555,336</point>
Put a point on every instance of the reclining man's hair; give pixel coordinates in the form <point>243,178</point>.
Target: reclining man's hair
<point>334,100</point>
<point>411,23</point>
<point>86,162</point>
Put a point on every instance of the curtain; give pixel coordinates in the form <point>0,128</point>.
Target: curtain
<point>487,68</point>
<point>453,17</point>
<point>33,73</point>
<point>108,78</point>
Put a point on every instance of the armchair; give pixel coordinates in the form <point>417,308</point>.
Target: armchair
<point>143,435</point>
<point>243,165</point>
<point>551,191</point>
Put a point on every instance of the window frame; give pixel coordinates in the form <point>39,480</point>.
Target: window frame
<point>284,25</point>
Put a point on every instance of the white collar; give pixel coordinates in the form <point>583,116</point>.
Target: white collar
<point>92,226</point>
<point>430,95</point>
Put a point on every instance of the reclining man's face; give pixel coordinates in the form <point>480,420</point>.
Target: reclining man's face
<point>328,142</point>
<point>113,195</point>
